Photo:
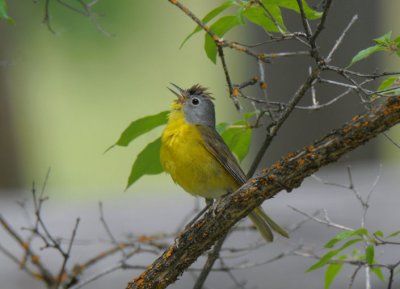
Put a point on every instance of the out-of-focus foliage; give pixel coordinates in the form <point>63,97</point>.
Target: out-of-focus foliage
<point>266,14</point>
<point>3,12</point>
<point>332,260</point>
<point>383,43</point>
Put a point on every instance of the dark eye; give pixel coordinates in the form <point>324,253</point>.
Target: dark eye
<point>195,101</point>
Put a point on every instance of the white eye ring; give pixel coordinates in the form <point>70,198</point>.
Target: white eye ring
<point>195,101</point>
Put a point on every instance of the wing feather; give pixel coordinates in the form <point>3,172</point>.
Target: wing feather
<point>214,143</point>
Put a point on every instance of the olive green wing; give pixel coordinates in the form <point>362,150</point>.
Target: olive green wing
<point>214,143</point>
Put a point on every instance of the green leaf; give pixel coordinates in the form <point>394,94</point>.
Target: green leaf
<point>248,115</point>
<point>387,83</point>
<point>369,254</point>
<point>328,256</point>
<point>210,15</point>
<point>331,272</point>
<point>3,12</point>
<point>366,53</point>
<point>238,139</point>
<point>258,16</point>
<point>344,235</point>
<point>394,234</point>
<point>147,162</point>
<point>292,5</point>
<point>221,127</point>
<point>378,272</point>
<point>140,127</point>
<point>397,41</point>
<point>220,27</point>
<point>384,39</point>
<point>379,234</point>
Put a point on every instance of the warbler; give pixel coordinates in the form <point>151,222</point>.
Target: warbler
<point>197,158</point>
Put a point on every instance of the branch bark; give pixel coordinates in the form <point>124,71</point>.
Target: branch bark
<point>288,173</point>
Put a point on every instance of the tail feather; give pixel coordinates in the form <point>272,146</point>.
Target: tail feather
<point>261,226</point>
<point>264,224</point>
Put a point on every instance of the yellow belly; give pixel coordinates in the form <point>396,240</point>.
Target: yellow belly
<point>189,163</point>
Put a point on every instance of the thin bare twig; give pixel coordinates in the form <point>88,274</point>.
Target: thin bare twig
<point>340,39</point>
<point>212,257</point>
<point>276,126</point>
<point>228,78</point>
<point>62,274</point>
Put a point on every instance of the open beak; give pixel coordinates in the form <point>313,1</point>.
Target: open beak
<point>180,94</point>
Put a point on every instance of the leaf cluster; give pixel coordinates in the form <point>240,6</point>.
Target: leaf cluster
<point>335,258</point>
<point>265,13</point>
<point>3,12</point>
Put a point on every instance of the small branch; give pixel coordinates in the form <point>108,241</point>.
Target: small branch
<point>98,276</point>
<point>108,230</point>
<point>46,18</point>
<point>212,257</point>
<point>325,221</point>
<point>391,140</point>
<point>218,41</point>
<point>306,25</point>
<point>232,95</point>
<point>271,17</point>
<point>275,127</point>
<point>62,275</point>
<point>44,272</point>
<point>321,24</point>
<point>340,39</point>
<point>353,276</point>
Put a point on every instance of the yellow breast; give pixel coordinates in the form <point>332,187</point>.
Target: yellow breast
<point>189,163</point>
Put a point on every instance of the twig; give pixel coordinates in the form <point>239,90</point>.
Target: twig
<point>98,276</point>
<point>46,18</point>
<point>62,274</point>
<point>340,39</point>
<point>13,258</point>
<point>228,78</point>
<point>212,257</point>
<point>218,41</point>
<point>271,17</point>
<point>325,221</point>
<point>108,230</point>
<point>44,272</point>
<point>263,86</point>
<point>391,140</point>
<point>321,24</point>
<point>353,276</point>
<point>306,25</point>
<point>276,126</point>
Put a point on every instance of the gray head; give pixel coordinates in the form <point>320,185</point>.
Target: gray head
<point>197,105</point>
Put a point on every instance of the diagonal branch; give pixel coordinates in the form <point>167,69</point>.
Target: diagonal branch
<point>219,41</point>
<point>288,173</point>
<point>273,130</point>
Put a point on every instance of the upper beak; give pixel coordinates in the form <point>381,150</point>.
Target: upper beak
<point>180,94</point>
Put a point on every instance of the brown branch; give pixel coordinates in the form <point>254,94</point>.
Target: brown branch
<point>289,172</point>
<point>218,40</point>
<point>44,273</point>
<point>212,257</point>
<point>282,118</point>
<point>232,95</point>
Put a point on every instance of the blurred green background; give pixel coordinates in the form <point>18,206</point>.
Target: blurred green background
<point>71,94</point>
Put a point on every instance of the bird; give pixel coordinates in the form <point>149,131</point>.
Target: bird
<point>198,159</point>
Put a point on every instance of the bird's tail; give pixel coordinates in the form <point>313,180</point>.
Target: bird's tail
<point>264,224</point>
